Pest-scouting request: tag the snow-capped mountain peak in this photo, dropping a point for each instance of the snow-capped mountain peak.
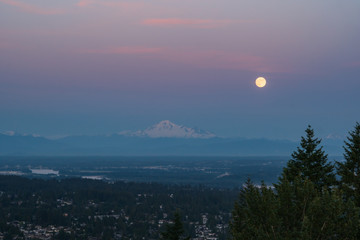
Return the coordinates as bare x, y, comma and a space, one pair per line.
167, 129
165, 124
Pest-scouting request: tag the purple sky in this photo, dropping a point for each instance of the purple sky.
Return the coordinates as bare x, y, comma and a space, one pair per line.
99, 66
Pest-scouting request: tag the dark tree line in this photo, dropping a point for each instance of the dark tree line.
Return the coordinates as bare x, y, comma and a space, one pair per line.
308, 202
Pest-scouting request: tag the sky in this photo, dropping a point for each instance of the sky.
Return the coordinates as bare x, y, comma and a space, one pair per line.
103, 66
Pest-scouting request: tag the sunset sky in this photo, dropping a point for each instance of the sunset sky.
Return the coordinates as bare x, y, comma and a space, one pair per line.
99, 66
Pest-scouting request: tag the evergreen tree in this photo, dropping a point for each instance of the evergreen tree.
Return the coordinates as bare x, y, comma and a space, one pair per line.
255, 214
310, 162
309, 213
298, 207
293, 210
330, 217
174, 231
349, 171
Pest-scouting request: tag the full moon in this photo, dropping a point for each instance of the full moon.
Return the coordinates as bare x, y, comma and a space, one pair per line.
260, 82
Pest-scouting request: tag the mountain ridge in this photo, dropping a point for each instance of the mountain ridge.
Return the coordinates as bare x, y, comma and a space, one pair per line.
163, 138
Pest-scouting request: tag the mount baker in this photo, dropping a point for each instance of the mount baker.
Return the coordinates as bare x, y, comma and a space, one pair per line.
167, 129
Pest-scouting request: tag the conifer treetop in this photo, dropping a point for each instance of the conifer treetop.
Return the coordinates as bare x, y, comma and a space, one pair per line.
310, 162
349, 171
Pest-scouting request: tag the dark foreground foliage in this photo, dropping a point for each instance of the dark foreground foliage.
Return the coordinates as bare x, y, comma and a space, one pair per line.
349, 170
175, 230
294, 211
307, 202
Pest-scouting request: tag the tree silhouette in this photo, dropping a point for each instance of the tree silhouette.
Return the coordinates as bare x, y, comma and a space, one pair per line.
174, 231
299, 206
310, 162
349, 171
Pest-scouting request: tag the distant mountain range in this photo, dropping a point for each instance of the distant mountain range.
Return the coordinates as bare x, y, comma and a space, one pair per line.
164, 138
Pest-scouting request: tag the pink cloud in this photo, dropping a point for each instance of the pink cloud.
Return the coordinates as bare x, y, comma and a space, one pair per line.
201, 59
32, 9
198, 23
84, 3
87, 3
222, 60
125, 50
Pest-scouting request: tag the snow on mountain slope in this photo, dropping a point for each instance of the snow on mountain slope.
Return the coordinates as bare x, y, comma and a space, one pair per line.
167, 129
